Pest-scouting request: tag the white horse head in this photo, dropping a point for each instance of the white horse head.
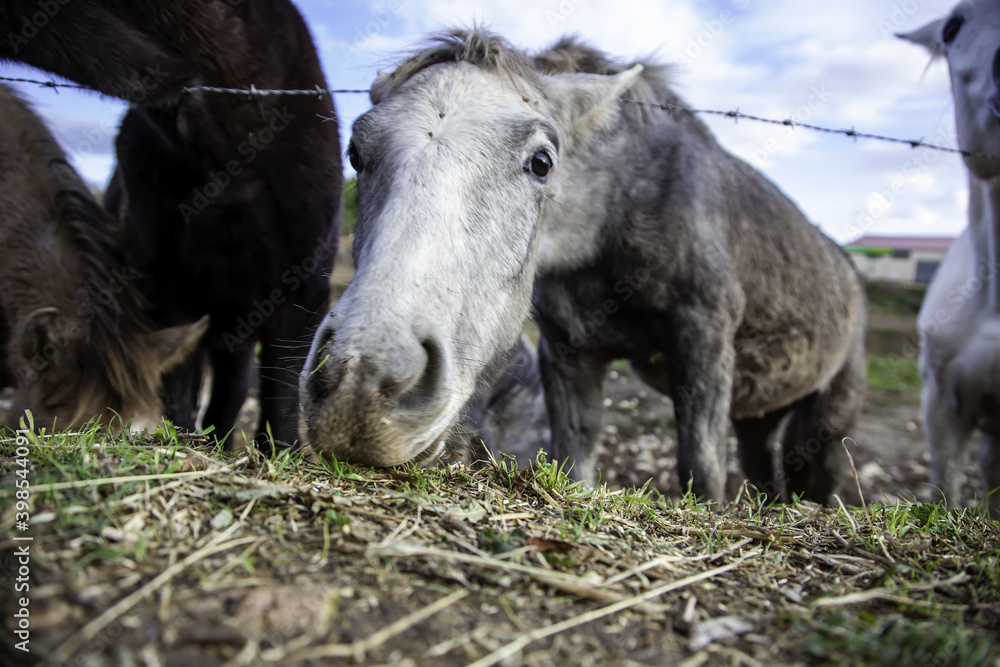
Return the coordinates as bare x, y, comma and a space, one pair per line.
969, 38
457, 161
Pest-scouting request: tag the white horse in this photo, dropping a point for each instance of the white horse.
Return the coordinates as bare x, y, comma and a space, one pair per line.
960, 320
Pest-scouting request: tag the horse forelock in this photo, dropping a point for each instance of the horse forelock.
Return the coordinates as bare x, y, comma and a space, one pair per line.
487, 50
476, 46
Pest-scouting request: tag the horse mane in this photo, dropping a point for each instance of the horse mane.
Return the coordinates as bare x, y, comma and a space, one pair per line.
571, 55
116, 357
492, 52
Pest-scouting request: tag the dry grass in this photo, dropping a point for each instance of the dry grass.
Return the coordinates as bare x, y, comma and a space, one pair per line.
159, 550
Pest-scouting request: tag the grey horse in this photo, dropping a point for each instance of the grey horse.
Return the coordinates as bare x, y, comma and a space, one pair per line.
491, 181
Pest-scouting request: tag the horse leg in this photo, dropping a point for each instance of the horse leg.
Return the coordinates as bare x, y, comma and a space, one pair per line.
812, 455
948, 438
181, 389
280, 364
700, 356
989, 463
230, 381
574, 397
755, 437
813, 458
753, 434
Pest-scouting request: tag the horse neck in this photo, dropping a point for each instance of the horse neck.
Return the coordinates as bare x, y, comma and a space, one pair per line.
984, 224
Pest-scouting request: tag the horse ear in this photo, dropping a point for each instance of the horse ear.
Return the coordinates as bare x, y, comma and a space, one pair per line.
37, 338
929, 37
378, 89
173, 345
584, 102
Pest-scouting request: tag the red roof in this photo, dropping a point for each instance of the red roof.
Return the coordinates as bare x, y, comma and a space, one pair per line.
905, 242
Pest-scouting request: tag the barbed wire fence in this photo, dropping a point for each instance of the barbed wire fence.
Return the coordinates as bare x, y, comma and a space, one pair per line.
736, 115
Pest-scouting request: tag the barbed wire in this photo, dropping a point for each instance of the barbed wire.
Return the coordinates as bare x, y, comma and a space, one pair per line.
738, 115
254, 93
46, 84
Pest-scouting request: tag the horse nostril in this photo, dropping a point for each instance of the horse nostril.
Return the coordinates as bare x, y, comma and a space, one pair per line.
424, 388
325, 336
317, 388
434, 366
996, 69
316, 385
993, 102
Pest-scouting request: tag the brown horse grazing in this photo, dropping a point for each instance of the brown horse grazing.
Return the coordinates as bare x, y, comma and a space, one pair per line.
231, 204
73, 342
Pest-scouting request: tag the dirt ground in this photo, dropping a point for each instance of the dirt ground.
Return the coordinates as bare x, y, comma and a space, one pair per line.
244, 564
230, 560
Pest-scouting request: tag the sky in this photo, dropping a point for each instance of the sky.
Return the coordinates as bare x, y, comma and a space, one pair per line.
830, 64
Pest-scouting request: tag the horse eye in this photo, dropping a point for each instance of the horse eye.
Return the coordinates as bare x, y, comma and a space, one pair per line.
352, 155
540, 165
951, 29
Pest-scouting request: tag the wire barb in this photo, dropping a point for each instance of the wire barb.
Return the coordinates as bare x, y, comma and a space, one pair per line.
256, 92
46, 84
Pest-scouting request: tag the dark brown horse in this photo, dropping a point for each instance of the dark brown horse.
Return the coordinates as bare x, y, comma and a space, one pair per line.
73, 341
231, 204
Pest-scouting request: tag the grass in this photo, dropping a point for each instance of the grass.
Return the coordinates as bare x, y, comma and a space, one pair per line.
867, 639
888, 298
164, 548
894, 375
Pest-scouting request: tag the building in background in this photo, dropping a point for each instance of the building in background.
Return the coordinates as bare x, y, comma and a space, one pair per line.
912, 259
